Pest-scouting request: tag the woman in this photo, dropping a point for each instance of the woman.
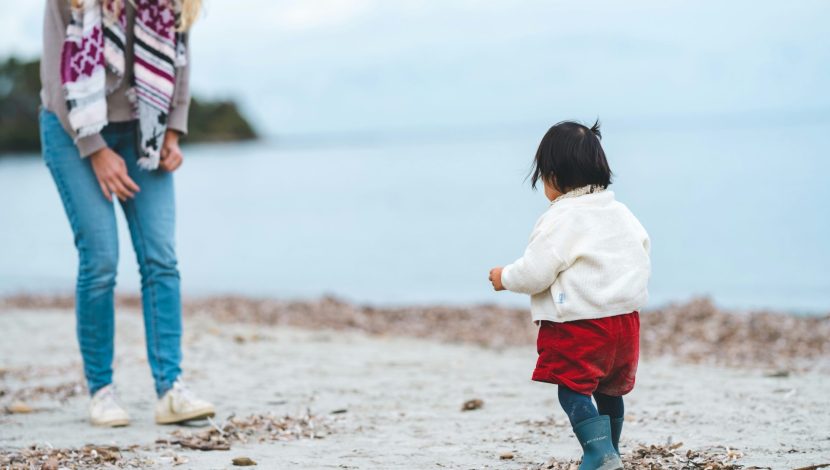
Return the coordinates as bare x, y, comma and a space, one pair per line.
115, 100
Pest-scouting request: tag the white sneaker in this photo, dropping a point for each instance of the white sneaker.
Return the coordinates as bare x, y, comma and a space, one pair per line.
105, 409
179, 404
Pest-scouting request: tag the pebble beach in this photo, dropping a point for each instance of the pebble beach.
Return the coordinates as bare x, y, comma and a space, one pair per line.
330, 384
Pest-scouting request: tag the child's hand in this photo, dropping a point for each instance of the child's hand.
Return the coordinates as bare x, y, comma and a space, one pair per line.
495, 278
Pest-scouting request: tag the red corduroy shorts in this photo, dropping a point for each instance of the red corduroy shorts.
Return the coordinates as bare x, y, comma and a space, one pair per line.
590, 356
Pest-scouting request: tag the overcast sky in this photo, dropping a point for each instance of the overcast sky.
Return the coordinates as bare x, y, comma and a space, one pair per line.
318, 66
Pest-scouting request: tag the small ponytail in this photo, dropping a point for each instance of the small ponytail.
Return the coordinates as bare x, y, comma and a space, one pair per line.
595, 129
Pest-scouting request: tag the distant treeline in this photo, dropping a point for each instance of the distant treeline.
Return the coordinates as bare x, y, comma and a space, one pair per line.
210, 121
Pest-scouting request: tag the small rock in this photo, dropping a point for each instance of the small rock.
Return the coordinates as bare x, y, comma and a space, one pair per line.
51, 464
243, 462
473, 404
506, 456
18, 407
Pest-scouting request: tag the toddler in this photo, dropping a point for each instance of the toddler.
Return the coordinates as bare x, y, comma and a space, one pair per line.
586, 269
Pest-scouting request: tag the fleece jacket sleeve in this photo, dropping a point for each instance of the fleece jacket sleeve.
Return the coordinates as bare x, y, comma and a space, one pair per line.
537, 269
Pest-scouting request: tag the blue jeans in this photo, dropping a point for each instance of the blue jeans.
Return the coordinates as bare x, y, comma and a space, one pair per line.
151, 217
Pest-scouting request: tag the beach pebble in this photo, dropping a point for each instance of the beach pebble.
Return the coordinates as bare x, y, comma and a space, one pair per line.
51, 464
506, 456
473, 404
18, 407
243, 462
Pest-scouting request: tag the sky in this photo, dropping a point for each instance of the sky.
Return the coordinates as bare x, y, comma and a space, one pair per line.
334, 67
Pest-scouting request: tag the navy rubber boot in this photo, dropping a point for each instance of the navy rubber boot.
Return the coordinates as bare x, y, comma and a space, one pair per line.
594, 436
616, 430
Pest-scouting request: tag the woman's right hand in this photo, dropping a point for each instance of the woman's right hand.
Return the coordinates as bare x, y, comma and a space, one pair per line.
111, 172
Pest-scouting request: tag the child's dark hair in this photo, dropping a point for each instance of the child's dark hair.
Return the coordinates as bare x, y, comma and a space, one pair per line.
570, 156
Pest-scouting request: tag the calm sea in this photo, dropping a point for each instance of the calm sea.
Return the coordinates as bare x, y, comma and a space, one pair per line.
741, 214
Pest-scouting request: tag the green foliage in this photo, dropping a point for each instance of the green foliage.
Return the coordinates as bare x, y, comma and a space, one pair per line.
209, 121
19, 101
213, 121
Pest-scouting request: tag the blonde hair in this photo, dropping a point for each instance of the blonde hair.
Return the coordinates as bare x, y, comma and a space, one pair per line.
190, 10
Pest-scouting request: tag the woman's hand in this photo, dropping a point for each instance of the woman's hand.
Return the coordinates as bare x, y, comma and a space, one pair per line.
171, 154
111, 172
495, 278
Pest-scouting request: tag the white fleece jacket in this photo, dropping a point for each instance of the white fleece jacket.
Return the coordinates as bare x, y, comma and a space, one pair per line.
588, 257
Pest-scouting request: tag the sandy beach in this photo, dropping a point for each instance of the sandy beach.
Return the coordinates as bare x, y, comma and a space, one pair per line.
326, 384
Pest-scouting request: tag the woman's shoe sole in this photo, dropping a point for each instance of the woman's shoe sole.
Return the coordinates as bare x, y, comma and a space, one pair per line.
118, 423
202, 414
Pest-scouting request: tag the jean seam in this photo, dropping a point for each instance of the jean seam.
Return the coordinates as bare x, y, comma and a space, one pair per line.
65, 195
153, 303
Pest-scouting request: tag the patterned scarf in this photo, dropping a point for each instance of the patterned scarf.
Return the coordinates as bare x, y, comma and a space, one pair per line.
95, 39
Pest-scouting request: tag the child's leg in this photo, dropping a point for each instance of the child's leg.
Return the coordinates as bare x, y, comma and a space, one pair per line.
592, 431
577, 406
614, 408
608, 405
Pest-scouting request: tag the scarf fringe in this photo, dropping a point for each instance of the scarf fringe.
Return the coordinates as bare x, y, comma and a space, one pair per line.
89, 130
146, 163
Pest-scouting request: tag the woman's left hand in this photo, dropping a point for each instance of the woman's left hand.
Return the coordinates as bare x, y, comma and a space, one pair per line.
171, 154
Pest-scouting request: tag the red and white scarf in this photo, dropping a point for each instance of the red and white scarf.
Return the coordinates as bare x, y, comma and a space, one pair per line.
95, 39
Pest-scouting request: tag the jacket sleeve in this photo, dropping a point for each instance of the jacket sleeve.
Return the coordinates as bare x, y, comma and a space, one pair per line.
541, 263
180, 105
54, 99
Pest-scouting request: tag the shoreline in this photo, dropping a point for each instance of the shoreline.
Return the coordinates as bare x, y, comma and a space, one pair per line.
695, 332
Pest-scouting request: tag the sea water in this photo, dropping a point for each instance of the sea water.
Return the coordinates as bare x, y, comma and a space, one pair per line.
738, 214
